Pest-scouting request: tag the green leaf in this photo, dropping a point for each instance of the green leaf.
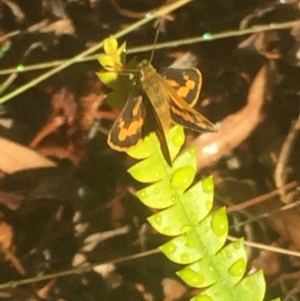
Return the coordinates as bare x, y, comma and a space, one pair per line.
232, 259
113, 58
248, 287
120, 83
115, 100
154, 167
110, 45
114, 61
150, 145
107, 62
189, 248
108, 78
163, 199
198, 234
251, 288
183, 177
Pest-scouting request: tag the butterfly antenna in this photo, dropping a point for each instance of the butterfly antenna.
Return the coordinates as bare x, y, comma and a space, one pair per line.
154, 44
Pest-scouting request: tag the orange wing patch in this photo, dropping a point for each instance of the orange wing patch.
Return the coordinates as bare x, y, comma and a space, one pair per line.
186, 82
127, 129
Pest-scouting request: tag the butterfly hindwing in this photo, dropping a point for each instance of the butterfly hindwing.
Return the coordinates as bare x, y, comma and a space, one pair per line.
186, 82
183, 114
127, 128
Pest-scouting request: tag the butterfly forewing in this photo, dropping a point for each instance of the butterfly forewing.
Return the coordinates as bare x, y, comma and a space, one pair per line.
153, 124
157, 106
186, 82
127, 129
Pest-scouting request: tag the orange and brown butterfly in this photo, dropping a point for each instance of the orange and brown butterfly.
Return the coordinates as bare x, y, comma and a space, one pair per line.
155, 103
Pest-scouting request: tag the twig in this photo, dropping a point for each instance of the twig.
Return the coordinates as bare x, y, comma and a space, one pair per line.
267, 214
235, 128
206, 37
280, 174
266, 247
261, 198
128, 258
14, 75
76, 270
33, 28
132, 14
14, 260
15, 9
149, 17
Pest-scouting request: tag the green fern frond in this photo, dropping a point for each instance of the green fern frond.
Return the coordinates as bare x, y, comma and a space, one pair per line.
199, 234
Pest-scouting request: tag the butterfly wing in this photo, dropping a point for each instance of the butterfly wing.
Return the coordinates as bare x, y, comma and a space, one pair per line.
154, 125
186, 82
127, 128
183, 114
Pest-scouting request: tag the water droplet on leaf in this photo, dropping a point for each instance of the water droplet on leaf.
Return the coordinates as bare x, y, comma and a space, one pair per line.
192, 151
207, 185
183, 177
193, 219
227, 253
166, 231
190, 242
238, 268
191, 277
169, 248
142, 194
178, 139
184, 258
185, 230
219, 222
157, 219
237, 244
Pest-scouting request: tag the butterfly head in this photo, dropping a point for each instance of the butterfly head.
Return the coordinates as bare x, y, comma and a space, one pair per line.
145, 68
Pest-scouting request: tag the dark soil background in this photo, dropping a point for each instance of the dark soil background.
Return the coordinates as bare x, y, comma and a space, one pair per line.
77, 209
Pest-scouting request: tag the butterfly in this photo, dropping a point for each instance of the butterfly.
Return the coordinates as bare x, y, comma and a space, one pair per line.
157, 101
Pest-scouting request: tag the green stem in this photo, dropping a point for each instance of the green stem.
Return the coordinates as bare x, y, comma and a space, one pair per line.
77, 270
174, 43
148, 17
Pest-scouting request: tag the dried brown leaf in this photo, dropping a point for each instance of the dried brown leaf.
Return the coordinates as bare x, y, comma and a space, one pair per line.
235, 128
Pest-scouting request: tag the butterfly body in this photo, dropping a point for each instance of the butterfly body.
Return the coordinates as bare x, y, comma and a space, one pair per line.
152, 86
157, 101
